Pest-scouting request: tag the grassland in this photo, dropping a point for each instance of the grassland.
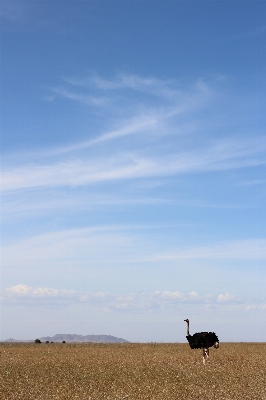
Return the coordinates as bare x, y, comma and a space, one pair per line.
132, 371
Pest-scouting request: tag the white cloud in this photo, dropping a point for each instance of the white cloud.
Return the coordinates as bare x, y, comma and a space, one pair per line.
227, 297
19, 289
130, 302
27, 291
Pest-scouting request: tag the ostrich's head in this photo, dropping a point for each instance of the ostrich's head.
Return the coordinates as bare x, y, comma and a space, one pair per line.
186, 320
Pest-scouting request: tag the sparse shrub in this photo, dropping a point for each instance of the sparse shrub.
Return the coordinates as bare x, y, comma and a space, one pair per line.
63, 341
47, 341
37, 341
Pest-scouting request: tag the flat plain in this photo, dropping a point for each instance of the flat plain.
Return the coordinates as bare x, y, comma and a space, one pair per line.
132, 371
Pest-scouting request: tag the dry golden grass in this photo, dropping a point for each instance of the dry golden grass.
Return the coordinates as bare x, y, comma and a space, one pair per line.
132, 371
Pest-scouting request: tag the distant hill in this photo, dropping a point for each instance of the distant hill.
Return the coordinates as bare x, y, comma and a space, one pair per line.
11, 340
75, 339
83, 339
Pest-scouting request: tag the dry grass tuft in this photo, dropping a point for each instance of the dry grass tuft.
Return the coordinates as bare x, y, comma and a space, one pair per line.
132, 371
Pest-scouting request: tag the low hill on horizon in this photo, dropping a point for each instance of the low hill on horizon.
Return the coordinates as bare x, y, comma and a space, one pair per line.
74, 338
12, 340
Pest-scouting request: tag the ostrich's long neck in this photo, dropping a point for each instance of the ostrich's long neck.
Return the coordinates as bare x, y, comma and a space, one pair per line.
187, 328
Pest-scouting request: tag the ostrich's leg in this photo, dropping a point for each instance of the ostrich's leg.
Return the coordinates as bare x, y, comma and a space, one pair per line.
205, 354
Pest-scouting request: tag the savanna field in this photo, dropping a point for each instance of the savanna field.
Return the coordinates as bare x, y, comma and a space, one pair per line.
132, 371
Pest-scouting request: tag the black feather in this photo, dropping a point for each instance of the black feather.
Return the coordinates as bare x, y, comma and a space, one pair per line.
202, 339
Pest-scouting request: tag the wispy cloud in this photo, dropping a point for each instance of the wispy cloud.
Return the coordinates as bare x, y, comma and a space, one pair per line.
223, 155
243, 249
85, 99
119, 245
166, 140
148, 110
128, 81
139, 138
253, 182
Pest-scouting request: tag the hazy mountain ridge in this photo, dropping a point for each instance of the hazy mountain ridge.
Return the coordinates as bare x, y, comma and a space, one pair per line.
12, 340
74, 338
83, 339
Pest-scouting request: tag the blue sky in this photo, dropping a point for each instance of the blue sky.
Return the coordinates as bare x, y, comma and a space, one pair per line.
133, 155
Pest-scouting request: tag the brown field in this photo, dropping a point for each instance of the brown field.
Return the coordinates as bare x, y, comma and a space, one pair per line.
132, 371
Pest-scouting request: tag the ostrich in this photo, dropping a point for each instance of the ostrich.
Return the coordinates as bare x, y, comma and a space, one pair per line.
202, 340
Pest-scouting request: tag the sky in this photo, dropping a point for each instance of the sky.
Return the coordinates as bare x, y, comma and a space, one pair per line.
133, 176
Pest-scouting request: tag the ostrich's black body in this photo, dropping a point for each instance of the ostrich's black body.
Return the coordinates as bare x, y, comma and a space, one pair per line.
202, 340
